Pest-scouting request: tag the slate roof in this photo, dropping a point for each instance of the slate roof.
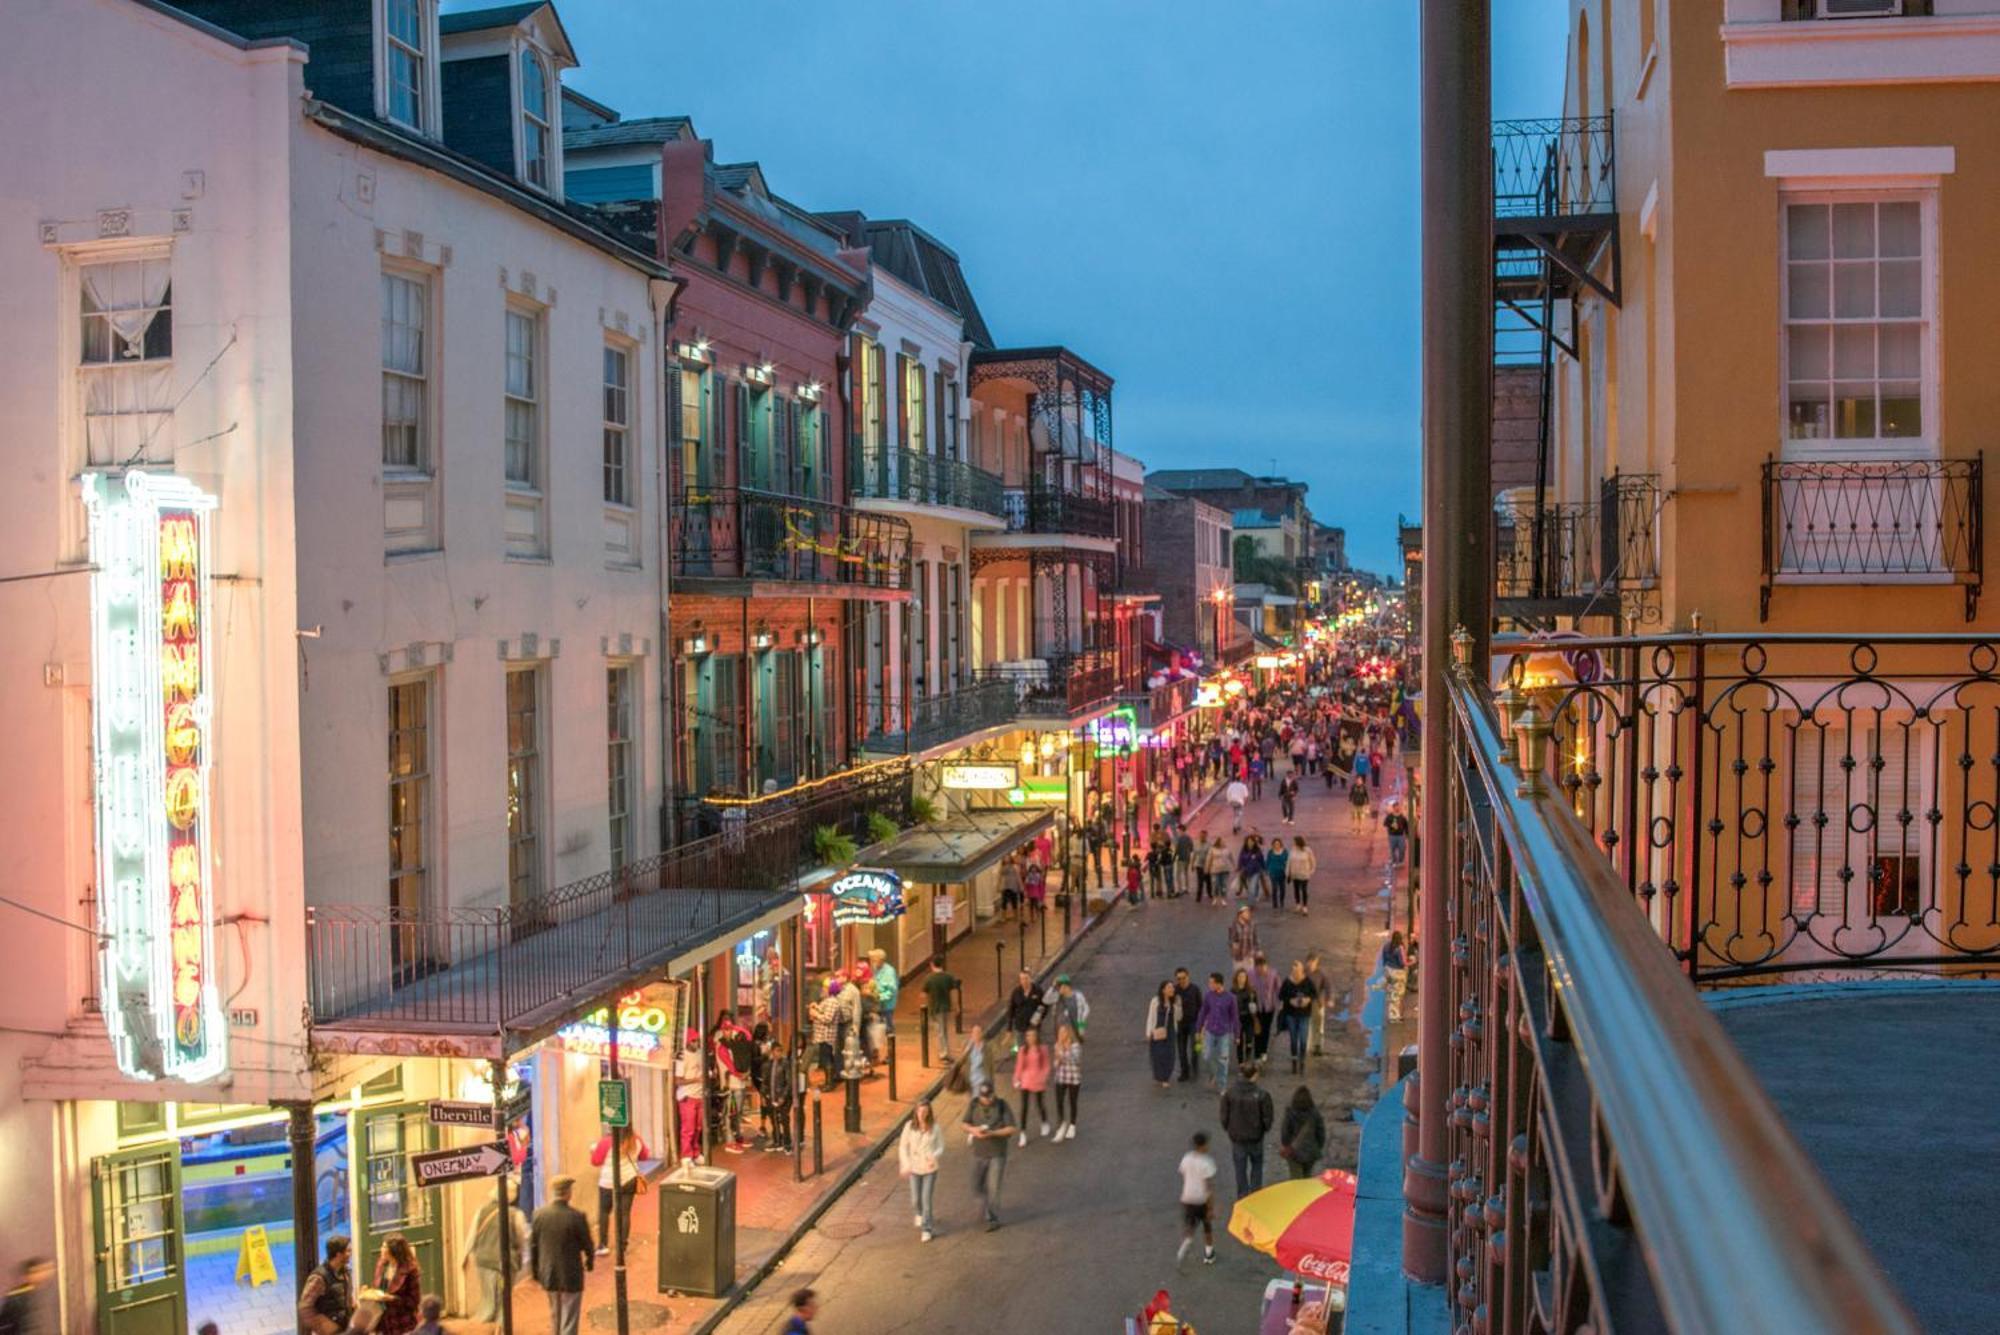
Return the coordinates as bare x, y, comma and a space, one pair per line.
478, 20
925, 263
1200, 479
643, 130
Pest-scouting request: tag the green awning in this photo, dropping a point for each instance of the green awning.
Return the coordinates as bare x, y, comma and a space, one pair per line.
960, 846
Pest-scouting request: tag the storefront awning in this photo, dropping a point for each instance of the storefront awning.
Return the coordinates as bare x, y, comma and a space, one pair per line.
1264, 641
960, 847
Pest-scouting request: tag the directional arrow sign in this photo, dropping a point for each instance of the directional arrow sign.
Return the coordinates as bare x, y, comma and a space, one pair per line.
442, 1166
445, 1113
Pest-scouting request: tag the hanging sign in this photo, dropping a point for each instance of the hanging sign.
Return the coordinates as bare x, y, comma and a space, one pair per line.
149, 596
614, 1102
866, 896
992, 777
445, 1112
646, 1022
1115, 732
439, 1167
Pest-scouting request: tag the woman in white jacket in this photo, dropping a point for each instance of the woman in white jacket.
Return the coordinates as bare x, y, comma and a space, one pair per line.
917, 1155
1298, 870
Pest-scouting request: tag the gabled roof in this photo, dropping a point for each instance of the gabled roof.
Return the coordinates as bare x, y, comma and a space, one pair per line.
644, 130
583, 112
508, 16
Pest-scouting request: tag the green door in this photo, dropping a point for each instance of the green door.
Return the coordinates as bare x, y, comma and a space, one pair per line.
141, 1287
390, 1199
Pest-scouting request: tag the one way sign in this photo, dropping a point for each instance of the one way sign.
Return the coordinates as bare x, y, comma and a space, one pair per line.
441, 1166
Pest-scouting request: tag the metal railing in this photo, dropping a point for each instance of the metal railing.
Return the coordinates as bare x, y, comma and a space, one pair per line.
1045, 510
1614, 1163
1059, 687
926, 479
916, 724
842, 800
1553, 168
1856, 521
1165, 702
740, 533
1787, 804
1549, 552
1630, 506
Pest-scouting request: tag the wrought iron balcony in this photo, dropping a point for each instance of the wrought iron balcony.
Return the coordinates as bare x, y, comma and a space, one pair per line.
1875, 521
925, 721
1547, 553
1553, 168
746, 537
842, 800
1614, 1160
1160, 705
1059, 687
1046, 510
926, 479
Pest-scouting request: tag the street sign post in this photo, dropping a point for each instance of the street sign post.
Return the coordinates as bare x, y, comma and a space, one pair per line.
439, 1167
447, 1113
614, 1102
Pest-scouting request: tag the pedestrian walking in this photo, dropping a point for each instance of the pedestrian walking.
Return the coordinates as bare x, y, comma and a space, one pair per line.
1296, 999
1247, 1117
989, 1126
1264, 981
1316, 975
1357, 807
1397, 826
1219, 864
1024, 1008
1183, 860
1197, 1171
1395, 974
939, 988
398, 1275
1031, 1078
1035, 886
1246, 1016
630, 1149
1010, 885
1236, 794
1299, 869
482, 1254
1275, 859
918, 1151
1243, 944
1067, 1061
1163, 1024
805, 1306
1220, 1024
1361, 763
559, 1252
1189, 998
1302, 1136
1068, 1006
975, 1058
1288, 798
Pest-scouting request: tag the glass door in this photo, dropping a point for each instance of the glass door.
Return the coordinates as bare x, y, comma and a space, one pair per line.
141, 1285
390, 1199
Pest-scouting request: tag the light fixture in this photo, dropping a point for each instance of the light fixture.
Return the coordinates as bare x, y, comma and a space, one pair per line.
697, 643
1048, 746
762, 638
1028, 751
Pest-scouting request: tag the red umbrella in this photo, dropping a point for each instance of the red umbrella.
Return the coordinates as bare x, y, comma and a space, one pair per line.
1307, 1225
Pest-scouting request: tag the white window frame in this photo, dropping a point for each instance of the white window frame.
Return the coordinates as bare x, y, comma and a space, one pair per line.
412, 517
552, 90
81, 372
537, 805
623, 544
526, 497
430, 111
427, 774
1925, 196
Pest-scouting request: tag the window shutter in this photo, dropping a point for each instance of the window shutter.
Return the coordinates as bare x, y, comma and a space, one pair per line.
804, 475
716, 386
902, 401
825, 447
744, 432
941, 447
674, 479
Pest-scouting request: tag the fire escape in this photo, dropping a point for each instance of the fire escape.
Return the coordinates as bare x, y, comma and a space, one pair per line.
1555, 239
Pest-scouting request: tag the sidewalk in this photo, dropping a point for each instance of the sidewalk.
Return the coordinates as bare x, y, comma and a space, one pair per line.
770, 1205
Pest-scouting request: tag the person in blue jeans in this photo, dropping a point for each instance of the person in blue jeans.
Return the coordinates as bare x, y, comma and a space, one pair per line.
1218, 1028
1247, 1117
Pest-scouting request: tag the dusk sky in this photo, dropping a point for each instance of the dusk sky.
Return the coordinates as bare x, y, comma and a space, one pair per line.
1215, 203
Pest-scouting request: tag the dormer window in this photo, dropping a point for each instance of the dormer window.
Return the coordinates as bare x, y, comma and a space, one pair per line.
537, 111
408, 94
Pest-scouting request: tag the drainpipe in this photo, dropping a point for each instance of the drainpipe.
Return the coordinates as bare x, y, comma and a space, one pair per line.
1457, 455
665, 295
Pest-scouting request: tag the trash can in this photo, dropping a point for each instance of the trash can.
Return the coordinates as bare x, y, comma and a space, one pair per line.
697, 1231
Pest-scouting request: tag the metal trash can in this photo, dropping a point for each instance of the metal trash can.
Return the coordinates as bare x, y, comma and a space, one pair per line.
697, 1230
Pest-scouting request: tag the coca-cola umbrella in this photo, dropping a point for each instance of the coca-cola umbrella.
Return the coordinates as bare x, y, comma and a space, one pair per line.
1307, 1225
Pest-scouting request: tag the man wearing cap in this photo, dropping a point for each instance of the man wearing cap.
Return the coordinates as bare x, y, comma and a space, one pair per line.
559, 1252
1067, 1005
989, 1126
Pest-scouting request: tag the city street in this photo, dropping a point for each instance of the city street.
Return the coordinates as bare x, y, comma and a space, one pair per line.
1091, 1224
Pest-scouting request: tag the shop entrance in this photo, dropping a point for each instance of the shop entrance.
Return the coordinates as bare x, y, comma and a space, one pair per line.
140, 1289
390, 1199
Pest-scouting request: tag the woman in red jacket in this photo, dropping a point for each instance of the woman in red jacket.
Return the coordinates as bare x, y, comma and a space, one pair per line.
400, 1280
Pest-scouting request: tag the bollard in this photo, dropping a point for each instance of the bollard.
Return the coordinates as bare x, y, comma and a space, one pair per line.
958, 1000
819, 1140
892, 1068
999, 970
1021, 932
1042, 931
924, 1043
851, 1112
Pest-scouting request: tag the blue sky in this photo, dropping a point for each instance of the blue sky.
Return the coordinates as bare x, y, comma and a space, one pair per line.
1215, 202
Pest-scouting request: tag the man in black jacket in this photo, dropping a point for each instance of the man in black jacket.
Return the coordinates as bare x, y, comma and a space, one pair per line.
559, 1251
1024, 1008
1190, 999
1247, 1116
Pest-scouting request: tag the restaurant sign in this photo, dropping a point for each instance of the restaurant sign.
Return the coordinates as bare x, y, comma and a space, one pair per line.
866, 896
151, 728
982, 777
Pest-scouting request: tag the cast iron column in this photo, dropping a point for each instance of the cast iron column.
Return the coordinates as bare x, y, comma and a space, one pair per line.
1458, 566
301, 1133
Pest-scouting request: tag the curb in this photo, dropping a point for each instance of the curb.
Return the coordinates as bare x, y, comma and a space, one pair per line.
740, 1292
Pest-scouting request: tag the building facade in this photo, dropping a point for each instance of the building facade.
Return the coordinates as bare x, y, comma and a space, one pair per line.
1189, 545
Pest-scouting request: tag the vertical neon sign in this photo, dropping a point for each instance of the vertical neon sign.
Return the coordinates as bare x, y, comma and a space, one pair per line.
149, 541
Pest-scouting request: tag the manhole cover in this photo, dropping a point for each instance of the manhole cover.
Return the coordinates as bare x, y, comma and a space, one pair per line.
844, 1230
644, 1316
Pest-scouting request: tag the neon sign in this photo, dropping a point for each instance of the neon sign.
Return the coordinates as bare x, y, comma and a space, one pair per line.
865, 897
1115, 732
149, 541
645, 1028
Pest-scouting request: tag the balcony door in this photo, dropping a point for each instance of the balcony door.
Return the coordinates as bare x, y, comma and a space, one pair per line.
141, 1283
1861, 859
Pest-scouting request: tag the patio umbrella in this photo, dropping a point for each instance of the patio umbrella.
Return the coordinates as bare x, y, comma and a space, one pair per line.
1307, 1225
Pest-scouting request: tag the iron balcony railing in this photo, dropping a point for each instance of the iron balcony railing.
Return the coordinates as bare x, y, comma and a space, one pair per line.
919, 723
843, 800
494, 969
926, 479
1059, 687
1546, 552
1875, 520
740, 533
1047, 510
1163, 703
1613, 1162
1553, 168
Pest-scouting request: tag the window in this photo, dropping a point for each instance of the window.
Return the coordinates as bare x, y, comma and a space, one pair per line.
523, 446
410, 901
621, 698
692, 411
958, 671
1857, 9
914, 433
617, 427
405, 373
405, 29
950, 445
718, 713
1857, 364
874, 429
1858, 796
778, 717
535, 138
920, 632
524, 785
125, 361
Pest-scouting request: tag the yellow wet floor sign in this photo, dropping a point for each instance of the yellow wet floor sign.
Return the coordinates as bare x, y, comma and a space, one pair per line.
253, 1258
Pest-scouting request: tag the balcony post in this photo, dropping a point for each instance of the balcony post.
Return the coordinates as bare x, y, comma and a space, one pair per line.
1458, 570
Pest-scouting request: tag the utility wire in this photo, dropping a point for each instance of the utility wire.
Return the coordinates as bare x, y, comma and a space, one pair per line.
58, 921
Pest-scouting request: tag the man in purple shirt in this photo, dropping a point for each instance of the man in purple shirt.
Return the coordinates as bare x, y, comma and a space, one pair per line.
1218, 1029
